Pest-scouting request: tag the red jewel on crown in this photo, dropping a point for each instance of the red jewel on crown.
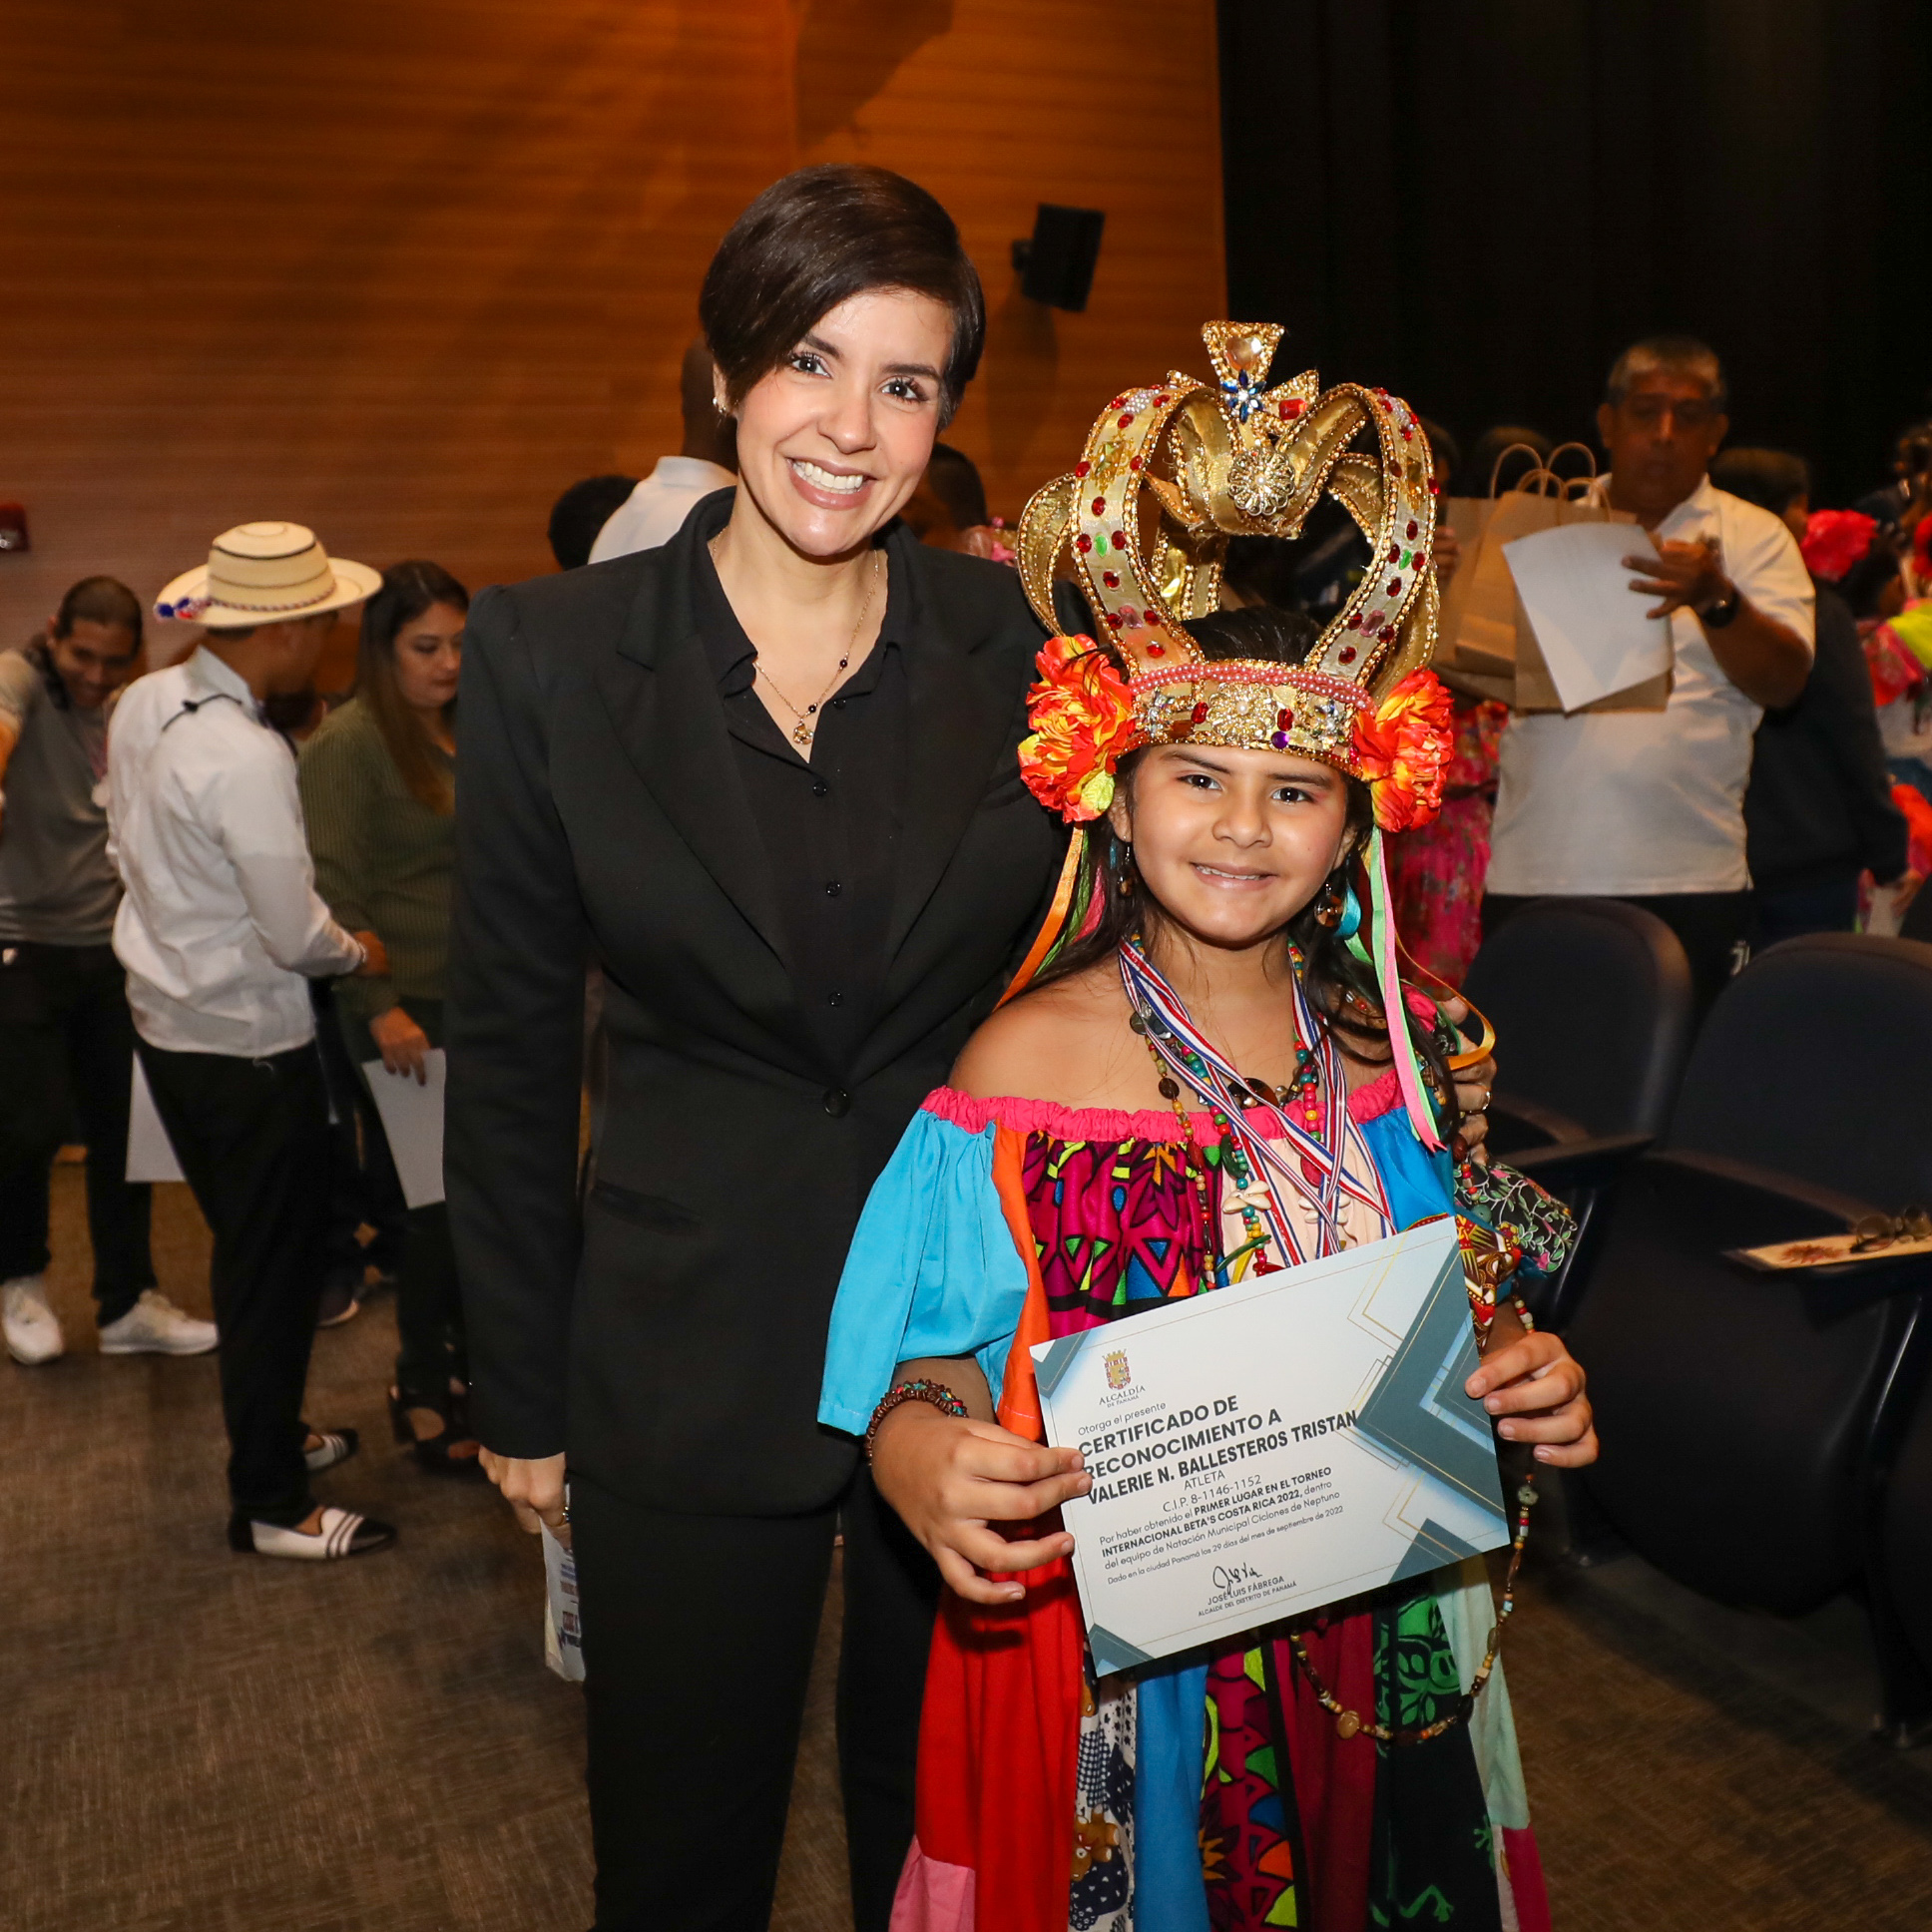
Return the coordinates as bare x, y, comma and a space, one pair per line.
1292, 408
1082, 542
1348, 653
1413, 528
1099, 506
1111, 578
1395, 587
1127, 419
1284, 721
1157, 649
1081, 467
1200, 715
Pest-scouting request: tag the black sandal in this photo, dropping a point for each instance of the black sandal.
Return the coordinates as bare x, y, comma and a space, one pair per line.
451, 1451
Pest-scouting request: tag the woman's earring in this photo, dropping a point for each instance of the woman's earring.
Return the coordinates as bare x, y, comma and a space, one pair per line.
1328, 909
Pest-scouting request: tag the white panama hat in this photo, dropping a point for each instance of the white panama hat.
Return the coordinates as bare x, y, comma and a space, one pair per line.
264, 573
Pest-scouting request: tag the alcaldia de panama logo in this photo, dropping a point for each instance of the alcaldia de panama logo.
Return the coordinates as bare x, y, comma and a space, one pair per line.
1118, 1372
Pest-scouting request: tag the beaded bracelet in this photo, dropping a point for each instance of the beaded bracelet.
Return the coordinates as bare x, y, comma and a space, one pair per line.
937, 1393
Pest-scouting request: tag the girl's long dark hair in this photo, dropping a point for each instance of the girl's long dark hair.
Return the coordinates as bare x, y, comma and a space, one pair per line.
408, 589
1338, 985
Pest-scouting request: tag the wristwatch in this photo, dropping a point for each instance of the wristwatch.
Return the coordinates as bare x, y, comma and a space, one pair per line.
1716, 615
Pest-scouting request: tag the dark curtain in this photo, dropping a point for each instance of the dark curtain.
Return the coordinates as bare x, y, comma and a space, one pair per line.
1478, 204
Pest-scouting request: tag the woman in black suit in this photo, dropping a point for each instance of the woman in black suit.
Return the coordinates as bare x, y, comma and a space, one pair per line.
768, 775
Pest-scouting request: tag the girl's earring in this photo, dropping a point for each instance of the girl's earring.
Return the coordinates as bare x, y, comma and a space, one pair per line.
1328, 909
1351, 914
1127, 871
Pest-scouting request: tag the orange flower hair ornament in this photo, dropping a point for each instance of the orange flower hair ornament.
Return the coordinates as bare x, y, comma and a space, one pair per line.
1082, 714
1086, 717
1402, 749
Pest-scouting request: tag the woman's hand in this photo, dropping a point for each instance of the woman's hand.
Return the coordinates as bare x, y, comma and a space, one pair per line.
375, 963
1473, 1085
533, 1487
951, 1480
1536, 1387
404, 1045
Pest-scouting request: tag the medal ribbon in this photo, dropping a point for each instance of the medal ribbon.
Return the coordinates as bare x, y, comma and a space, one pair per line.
1324, 1171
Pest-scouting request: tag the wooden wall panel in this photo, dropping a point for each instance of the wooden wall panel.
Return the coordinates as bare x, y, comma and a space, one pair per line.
403, 269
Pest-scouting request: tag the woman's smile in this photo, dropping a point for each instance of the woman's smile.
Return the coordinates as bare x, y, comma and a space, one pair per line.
826, 488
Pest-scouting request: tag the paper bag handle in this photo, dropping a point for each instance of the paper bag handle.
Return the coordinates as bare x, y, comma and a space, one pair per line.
1509, 450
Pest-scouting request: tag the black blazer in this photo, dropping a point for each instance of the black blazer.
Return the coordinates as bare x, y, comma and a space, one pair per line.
673, 1336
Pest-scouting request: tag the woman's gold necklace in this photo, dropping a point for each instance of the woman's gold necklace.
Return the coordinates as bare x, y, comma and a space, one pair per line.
804, 730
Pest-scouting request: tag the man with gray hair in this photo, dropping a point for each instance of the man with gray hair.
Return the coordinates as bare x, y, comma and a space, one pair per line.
1650, 805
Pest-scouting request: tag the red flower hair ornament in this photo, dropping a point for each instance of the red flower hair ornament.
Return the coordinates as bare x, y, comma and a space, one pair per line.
1835, 540
1082, 714
1401, 750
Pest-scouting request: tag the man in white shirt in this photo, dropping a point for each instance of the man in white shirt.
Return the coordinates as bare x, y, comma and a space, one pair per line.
220, 929
1648, 805
656, 510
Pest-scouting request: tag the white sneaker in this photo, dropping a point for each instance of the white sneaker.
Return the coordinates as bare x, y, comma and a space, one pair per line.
155, 1326
32, 1328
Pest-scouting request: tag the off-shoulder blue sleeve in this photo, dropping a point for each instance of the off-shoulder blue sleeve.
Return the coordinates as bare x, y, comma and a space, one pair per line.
1418, 1184
933, 1272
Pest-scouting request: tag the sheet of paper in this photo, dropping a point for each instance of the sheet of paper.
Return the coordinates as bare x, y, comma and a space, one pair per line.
1273, 1447
150, 1155
1589, 623
412, 1117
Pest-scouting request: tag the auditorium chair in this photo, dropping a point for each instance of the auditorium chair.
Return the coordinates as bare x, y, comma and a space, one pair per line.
1591, 1000
1750, 1420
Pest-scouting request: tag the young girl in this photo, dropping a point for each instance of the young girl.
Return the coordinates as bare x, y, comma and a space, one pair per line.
1201, 1085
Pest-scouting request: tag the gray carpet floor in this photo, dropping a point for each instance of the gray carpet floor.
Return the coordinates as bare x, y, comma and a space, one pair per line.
192, 1741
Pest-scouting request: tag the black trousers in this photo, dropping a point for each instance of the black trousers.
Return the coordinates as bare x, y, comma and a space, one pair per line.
1714, 929
364, 1186
698, 1643
251, 1136
66, 1060
429, 1300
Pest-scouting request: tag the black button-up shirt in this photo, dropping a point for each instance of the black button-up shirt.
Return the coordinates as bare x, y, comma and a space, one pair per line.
830, 814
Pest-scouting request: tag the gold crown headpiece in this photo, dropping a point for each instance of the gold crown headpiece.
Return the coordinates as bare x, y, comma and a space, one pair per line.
1170, 472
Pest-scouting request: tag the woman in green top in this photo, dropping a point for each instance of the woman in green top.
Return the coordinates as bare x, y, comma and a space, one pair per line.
378, 787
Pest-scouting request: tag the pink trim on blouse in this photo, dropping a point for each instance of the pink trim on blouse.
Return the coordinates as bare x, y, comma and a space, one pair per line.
1112, 1124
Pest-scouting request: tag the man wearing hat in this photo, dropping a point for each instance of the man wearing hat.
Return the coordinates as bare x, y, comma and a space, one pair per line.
219, 930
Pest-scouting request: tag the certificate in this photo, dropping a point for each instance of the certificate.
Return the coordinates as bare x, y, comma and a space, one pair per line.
1275, 1446
412, 1123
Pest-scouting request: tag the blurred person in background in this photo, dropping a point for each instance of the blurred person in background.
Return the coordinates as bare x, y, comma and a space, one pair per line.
66, 1041
1648, 805
580, 513
1436, 873
378, 791
1901, 505
1897, 630
1819, 811
220, 929
655, 510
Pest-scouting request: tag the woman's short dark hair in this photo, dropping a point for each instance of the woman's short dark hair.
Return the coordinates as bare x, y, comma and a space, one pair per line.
818, 238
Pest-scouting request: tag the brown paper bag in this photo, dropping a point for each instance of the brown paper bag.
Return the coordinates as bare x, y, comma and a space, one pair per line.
1487, 648
1477, 626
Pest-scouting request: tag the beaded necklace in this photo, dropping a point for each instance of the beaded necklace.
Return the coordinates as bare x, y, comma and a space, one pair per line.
1178, 1048
1299, 1140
